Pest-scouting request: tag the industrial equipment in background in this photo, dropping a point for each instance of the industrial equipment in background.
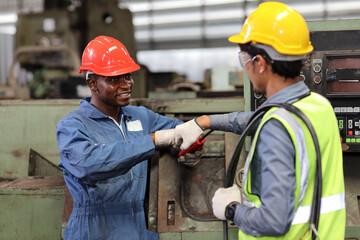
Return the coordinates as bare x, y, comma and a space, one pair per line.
218, 82
48, 47
178, 203
333, 70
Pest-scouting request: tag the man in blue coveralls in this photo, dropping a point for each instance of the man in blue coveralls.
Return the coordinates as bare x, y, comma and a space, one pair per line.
104, 146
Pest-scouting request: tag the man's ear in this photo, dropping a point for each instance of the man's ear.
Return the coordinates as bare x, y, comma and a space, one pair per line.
262, 63
92, 83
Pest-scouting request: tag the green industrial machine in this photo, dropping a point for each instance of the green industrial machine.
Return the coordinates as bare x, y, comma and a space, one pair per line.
29, 154
49, 45
33, 199
31, 208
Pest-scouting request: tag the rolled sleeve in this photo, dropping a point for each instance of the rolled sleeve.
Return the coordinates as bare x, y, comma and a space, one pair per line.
232, 122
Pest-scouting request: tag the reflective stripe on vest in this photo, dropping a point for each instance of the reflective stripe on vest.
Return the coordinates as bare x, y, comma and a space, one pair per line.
301, 151
328, 204
301, 148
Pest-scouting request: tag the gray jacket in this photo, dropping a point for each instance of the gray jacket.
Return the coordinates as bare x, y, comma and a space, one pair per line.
273, 169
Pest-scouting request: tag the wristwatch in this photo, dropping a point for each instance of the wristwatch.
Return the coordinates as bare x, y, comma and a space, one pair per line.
230, 211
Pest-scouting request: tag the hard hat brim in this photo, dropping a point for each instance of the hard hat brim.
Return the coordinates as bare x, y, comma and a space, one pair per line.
235, 39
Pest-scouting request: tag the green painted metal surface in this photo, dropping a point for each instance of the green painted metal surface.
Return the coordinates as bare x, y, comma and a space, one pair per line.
32, 124
334, 25
31, 215
352, 232
172, 95
31, 209
29, 126
210, 235
170, 236
198, 105
25, 125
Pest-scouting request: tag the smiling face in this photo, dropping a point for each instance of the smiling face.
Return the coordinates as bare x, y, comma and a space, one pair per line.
111, 91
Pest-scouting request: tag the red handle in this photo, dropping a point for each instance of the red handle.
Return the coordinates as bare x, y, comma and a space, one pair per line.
195, 147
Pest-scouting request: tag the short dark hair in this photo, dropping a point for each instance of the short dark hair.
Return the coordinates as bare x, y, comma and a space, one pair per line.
287, 69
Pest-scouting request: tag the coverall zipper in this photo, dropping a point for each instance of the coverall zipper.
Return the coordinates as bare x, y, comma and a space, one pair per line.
131, 171
122, 132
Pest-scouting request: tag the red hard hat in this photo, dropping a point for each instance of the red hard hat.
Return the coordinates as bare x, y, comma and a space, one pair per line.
106, 56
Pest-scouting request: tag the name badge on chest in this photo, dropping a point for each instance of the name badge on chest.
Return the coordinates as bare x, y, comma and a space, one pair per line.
134, 126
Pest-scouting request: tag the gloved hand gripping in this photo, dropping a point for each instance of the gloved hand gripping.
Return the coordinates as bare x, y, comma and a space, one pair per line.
165, 138
187, 133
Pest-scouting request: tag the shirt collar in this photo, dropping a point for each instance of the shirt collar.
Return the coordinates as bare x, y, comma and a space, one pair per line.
289, 94
92, 112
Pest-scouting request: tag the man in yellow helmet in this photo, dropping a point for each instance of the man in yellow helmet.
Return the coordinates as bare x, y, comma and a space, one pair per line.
279, 176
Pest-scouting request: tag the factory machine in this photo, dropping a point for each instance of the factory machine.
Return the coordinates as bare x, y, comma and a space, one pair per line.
49, 44
34, 203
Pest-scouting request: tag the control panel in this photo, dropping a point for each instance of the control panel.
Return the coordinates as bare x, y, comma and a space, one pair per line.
333, 70
349, 124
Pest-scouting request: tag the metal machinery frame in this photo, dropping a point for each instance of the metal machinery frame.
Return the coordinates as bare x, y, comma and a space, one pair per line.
178, 203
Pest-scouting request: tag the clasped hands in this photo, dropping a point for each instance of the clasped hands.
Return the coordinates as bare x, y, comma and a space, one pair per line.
180, 137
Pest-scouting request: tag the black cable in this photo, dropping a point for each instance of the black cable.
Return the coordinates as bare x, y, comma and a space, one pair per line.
231, 170
230, 173
225, 230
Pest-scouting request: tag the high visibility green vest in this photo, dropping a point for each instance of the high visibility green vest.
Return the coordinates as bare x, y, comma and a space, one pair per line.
332, 213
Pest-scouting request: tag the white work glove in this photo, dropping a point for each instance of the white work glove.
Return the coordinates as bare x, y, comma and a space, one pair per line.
165, 138
222, 198
187, 133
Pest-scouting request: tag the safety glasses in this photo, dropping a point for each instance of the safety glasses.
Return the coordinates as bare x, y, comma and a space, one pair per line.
244, 58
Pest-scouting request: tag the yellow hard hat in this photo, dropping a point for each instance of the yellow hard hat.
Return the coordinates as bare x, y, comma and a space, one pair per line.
277, 25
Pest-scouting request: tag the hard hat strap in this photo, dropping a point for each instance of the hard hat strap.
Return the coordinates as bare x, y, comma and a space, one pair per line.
89, 73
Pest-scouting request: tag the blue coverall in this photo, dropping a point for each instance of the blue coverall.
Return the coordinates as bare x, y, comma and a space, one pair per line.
105, 168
